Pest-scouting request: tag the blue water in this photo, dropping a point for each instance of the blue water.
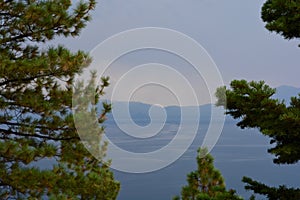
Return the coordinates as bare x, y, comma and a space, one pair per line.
238, 153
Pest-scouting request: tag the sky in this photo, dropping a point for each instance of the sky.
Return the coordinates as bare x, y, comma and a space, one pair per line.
231, 32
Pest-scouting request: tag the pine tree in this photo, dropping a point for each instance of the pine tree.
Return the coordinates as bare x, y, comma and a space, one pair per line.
36, 120
206, 183
252, 103
272, 193
282, 17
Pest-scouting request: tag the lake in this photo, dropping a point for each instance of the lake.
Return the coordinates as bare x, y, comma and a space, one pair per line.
237, 153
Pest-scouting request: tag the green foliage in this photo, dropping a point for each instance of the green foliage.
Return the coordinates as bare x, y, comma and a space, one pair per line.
282, 17
280, 193
251, 102
206, 183
36, 122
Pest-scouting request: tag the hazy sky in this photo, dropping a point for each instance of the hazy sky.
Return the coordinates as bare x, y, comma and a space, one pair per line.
231, 31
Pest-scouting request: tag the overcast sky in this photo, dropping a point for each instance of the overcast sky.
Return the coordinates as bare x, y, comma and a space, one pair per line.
231, 31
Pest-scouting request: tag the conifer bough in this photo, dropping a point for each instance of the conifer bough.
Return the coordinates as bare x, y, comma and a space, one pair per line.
36, 122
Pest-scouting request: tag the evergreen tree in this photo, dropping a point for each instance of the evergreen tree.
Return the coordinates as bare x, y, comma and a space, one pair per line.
206, 183
282, 17
252, 103
36, 120
272, 193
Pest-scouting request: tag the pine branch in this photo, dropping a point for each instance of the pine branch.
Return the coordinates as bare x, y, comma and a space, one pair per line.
39, 136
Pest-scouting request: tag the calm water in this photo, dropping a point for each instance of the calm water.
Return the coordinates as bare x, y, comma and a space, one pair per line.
238, 153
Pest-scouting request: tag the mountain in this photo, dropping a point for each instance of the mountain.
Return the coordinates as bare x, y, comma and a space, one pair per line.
141, 112
285, 93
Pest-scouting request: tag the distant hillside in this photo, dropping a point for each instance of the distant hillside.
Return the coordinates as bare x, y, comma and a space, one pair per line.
286, 92
140, 111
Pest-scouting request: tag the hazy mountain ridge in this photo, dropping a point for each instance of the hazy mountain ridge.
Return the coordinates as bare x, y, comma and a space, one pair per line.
140, 111
285, 93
